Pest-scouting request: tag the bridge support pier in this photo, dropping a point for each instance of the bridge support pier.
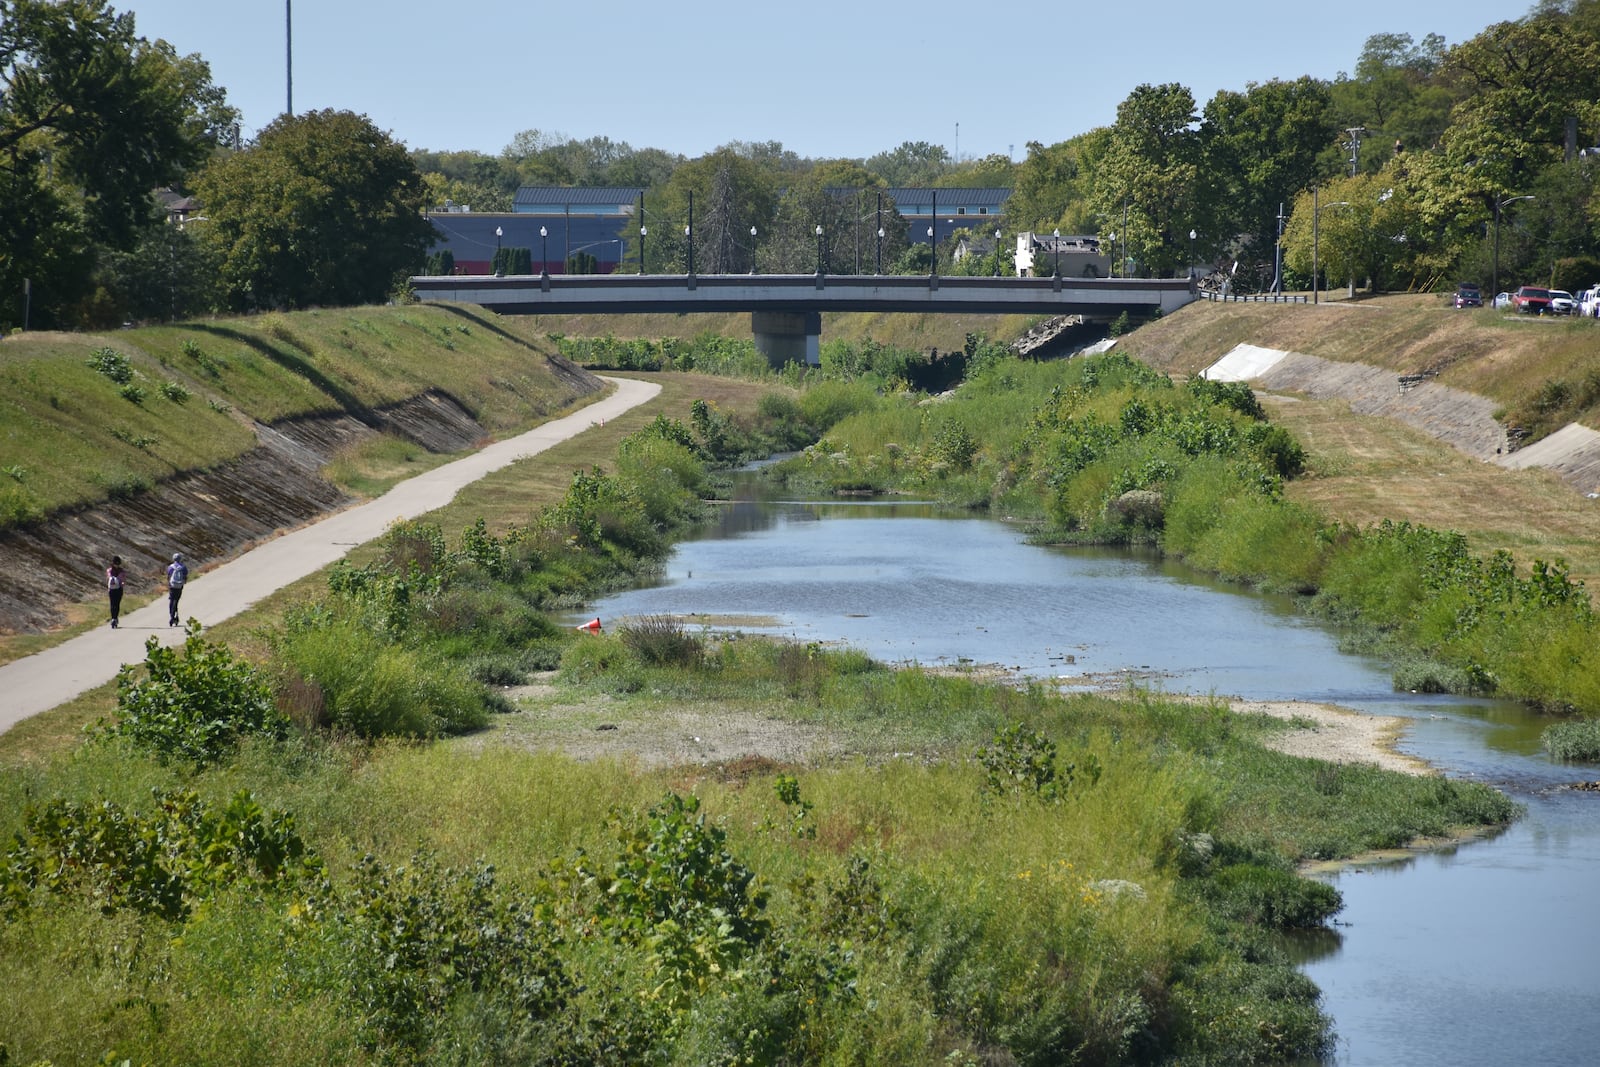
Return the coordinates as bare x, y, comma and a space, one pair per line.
788, 336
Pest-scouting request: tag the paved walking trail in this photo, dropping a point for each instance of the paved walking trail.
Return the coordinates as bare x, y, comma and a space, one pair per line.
46, 679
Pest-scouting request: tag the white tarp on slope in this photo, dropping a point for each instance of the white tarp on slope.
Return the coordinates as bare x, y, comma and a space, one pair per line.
1243, 363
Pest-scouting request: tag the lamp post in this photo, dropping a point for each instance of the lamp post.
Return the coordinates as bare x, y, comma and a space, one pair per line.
644, 231
997, 251
544, 252
933, 255
1494, 282
1192, 236
498, 233
819, 249
880, 234
1316, 218
688, 234
752, 250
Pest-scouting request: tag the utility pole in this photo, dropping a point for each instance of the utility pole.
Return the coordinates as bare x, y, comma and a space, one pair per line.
288, 59
1356, 133
1277, 283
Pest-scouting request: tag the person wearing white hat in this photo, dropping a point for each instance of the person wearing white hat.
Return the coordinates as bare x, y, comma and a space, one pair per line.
177, 575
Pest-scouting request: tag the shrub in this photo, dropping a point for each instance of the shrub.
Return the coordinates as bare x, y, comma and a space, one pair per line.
420, 945
175, 392
1267, 896
112, 364
1578, 740
660, 640
193, 706
371, 687
159, 864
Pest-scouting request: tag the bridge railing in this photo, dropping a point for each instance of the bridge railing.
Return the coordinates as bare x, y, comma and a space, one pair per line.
1253, 298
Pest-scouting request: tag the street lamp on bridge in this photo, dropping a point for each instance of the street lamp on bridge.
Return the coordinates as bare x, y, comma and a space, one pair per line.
644, 231
544, 252
819, 249
997, 251
933, 254
752, 250
1055, 250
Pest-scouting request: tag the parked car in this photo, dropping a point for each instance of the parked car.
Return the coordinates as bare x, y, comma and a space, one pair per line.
1589, 302
1531, 300
1468, 295
1562, 302
1502, 300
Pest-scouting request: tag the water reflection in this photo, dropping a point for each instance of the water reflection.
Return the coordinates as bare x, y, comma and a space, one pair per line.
1488, 953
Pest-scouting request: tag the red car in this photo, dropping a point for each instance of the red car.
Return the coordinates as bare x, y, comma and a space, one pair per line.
1531, 300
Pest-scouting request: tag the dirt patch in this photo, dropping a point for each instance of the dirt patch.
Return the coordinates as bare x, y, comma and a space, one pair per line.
602, 727
1336, 735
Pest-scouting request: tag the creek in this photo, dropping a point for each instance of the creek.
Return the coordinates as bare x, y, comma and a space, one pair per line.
1483, 953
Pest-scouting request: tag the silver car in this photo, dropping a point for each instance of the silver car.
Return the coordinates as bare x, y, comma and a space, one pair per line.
1562, 302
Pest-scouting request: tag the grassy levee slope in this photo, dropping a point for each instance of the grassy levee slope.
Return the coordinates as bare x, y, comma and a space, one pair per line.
73, 434
96, 421
1541, 373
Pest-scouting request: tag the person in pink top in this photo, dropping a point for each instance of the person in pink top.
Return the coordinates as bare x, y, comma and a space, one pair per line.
114, 588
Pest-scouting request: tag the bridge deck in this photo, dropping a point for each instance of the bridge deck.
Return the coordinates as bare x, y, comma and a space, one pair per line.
621, 294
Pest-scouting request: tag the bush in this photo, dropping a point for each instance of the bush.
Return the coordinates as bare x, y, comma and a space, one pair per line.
193, 706
1267, 896
1578, 740
364, 684
660, 640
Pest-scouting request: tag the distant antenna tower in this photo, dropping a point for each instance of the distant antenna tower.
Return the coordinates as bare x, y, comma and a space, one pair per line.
958, 142
288, 58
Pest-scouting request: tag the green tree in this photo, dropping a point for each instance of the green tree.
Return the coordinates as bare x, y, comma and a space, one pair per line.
731, 194
1149, 175
1260, 148
1521, 81
911, 165
170, 273
1054, 183
92, 118
323, 209
1396, 94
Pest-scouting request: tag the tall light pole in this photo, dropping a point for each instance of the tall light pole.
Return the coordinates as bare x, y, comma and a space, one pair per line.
819, 249
1192, 236
1316, 218
880, 234
997, 251
644, 231
688, 234
933, 255
1277, 253
497, 266
1494, 281
752, 250
1055, 250
544, 252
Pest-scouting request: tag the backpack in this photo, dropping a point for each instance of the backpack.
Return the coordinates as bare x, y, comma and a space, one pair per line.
177, 574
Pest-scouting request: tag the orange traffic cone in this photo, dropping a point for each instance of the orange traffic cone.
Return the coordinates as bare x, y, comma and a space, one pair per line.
592, 626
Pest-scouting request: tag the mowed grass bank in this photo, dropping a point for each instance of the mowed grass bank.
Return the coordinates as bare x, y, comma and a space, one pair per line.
86, 417
1363, 469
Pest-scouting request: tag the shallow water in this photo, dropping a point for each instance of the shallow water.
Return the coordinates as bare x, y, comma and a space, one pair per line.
1488, 953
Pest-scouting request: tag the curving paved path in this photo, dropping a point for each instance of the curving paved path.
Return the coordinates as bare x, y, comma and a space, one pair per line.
46, 679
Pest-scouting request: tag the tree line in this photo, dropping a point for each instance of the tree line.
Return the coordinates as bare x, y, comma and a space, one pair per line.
1427, 164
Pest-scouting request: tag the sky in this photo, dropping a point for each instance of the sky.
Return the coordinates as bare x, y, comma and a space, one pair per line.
827, 78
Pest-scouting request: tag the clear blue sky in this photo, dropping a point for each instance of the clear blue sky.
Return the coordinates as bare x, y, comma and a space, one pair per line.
826, 78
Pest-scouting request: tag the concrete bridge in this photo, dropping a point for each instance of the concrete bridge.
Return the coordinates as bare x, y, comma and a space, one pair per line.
786, 309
